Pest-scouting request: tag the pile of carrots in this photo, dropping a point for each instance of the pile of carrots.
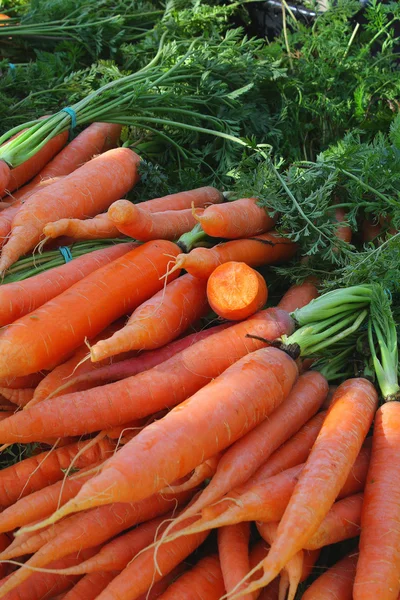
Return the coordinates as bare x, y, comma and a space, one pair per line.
178, 453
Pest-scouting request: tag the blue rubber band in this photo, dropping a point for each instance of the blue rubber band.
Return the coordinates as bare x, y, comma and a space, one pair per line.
70, 111
66, 253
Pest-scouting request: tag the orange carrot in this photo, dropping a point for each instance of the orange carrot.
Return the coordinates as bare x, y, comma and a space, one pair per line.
371, 230
199, 198
18, 397
343, 232
265, 249
244, 457
5, 174
61, 325
233, 550
336, 583
298, 296
212, 419
161, 586
85, 192
5, 414
46, 468
22, 297
159, 320
378, 568
142, 225
18, 383
163, 386
341, 523
330, 396
238, 219
6, 218
235, 291
125, 368
338, 444
90, 586
203, 581
204, 471
4, 543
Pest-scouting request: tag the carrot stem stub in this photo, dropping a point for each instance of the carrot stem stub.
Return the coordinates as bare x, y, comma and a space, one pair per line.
235, 291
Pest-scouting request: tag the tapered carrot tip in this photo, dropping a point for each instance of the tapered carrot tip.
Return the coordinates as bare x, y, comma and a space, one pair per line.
235, 291
5, 175
122, 211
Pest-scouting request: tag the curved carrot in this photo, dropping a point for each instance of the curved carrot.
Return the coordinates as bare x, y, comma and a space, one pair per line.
338, 444
163, 386
235, 291
341, 523
204, 471
244, 457
61, 325
298, 296
212, 419
22, 297
378, 568
203, 581
233, 551
85, 192
238, 219
159, 320
46, 468
265, 249
19, 397
90, 586
142, 225
336, 583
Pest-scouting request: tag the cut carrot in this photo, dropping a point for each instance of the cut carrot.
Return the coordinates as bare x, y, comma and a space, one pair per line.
336, 583
235, 291
159, 320
203, 581
61, 325
238, 219
233, 550
140, 224
22, 297
298, 296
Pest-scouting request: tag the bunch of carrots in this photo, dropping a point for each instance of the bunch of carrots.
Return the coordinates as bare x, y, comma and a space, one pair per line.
183, 448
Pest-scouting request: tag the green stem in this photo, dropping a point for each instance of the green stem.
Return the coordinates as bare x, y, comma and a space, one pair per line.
331, 303
187, 241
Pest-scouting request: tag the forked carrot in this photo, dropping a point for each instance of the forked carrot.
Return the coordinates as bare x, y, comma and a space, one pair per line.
203, 581
61, 325
265, 249
378, 568
235, 291
298, 296
159, 320
338, 443
140, 224
233, 551
85, 192
90, 586
22, 297
161, 387
341, 523
336, 583
99, 227
237, 219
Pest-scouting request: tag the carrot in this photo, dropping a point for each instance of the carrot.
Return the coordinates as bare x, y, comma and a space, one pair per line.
139, 575
203, 581
157, 589
370, 230
341, 523
99, 227
22, 297
18, 397
137, 364
343, 230
61, 325
235, 291
18, 383
378, 568
238, 219
298, 296
90, 586
4, 543
5, 174
161, 387
6, 218
212, 419
233, 550
338, 444
159, 320
5, 415
142, 225
265, 249
204, 471
85, 192
330, 396
41, 470
336, 583
41, 503
244, 457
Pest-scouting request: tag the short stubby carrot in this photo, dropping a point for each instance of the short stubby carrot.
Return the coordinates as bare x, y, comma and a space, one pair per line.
159, 320
378, 568
140, 224
202, 581
298, 296
237, 219
45, 337
336, 583
163, 386
22, 297
85, 192
235, 291
209, 421
325, 472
